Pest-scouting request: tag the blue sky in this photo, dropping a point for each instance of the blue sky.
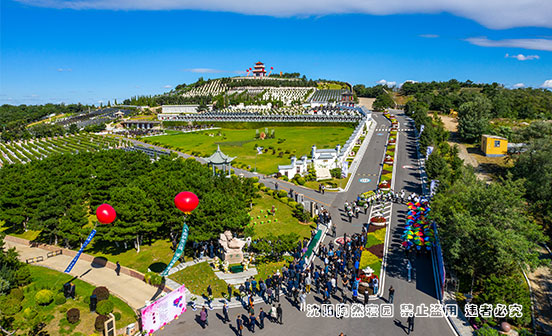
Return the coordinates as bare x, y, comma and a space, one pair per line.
98, 50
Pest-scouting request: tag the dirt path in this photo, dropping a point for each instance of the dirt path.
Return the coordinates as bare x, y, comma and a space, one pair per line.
367, 102
541, 284
451, 125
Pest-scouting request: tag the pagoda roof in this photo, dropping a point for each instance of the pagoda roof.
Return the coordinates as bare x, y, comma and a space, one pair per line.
261, 63
218, 157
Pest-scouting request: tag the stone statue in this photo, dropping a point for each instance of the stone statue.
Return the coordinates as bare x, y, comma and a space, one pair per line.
232, 247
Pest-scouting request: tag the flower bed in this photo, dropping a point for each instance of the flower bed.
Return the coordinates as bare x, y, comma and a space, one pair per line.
378, 220
385, 185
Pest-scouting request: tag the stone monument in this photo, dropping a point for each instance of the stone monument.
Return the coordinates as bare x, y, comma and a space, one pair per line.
232, 248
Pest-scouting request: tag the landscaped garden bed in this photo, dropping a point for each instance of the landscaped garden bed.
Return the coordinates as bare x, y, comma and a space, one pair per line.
42, 301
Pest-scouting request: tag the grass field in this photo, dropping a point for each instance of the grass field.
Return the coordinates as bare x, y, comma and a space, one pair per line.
155, 256
241, 143
198, 277
29, 234
54, 315
285, 222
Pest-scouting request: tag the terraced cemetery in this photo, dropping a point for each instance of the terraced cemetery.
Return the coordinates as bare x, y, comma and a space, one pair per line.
24, 151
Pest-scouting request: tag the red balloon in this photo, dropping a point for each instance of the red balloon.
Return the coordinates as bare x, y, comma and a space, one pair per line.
271, 68
106, 214
186, 201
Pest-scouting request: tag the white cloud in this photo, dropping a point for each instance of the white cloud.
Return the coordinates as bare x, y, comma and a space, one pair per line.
534, 44
167, 86
64, 70
496, 14
518, 85
429, 35
547, 84
384, 82
408, 81
204, 70
522, 57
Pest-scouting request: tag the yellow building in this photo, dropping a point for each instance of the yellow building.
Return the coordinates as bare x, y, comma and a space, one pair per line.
493, 145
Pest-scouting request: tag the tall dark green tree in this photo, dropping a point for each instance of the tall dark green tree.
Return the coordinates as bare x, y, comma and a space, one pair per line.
473, 118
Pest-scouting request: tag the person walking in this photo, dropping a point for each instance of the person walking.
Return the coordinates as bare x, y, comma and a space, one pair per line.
262, 316
410, 321
409, 270
225, 313
209, 296
252, 322
276, 186
118, 268
279, 313
229, 289
273, 314
391, 294
203, 317
239, 325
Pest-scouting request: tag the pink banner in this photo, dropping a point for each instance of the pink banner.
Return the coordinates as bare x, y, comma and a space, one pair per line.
164, 310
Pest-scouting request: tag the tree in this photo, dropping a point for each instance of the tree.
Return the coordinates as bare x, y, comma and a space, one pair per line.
383, 101
534, 167
485, 229
473, 118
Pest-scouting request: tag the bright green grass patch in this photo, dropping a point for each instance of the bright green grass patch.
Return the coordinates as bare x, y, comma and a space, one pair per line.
371, 240
155, 256
29, 234
54, 315
341, 183
281, 223
266, 269
386, 177
241, 143
380, 234
197, 277
367, 258
376, 266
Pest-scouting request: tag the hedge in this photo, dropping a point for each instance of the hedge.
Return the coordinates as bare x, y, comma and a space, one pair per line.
73, 315
102, 293
44, 297
105, 307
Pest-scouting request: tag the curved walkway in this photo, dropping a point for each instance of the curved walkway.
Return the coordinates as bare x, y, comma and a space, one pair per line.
132, 290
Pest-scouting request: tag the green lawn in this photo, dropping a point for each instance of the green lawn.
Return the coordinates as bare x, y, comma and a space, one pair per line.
54, 315
285, 222
155, 256
266, 269
341, 183
198, 277
241, 143
29, 234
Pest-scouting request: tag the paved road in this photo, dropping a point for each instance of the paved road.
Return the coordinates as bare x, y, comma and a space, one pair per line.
420, 290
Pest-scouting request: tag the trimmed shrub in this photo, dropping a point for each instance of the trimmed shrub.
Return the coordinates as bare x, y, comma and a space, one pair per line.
102, 293
23, 276
292, 204
99, 323
117, 316
73, 315
60, 299
300, 180
29, 313
17, 293
10, 306
44, 297
104, 307
282, 193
